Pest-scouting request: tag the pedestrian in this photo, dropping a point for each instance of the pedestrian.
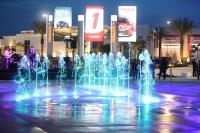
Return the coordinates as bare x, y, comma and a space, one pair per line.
1, 59
152, 67
7, 57
197, 57
194, 67
163, 67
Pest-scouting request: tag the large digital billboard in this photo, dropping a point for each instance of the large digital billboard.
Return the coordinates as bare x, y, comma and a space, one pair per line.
127, 23
94, 24
62, 22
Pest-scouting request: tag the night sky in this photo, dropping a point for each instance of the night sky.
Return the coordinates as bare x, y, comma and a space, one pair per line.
17, 15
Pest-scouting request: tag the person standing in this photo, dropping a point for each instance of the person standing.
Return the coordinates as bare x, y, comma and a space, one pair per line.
194, 68
7, 56
1, 59
163, 67
31, 55
197, 57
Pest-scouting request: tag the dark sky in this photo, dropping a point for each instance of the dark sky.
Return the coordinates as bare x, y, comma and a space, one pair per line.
17, 15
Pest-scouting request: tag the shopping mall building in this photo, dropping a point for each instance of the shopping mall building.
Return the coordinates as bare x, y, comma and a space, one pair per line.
170, 46
22, 42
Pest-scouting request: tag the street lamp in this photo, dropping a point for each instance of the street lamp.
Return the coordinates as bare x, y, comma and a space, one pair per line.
168, 22
154, 38
44, 15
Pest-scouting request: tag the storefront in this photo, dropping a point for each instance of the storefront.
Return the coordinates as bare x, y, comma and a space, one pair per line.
195, 40
170, 46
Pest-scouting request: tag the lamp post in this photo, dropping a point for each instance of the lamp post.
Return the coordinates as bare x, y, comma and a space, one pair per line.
49, 32
168, 22
153, 38
46, 20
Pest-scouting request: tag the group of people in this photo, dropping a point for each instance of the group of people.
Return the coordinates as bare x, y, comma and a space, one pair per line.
196, 63
163, 66
9, 57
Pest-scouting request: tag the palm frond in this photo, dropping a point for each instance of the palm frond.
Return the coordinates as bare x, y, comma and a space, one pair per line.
39, 27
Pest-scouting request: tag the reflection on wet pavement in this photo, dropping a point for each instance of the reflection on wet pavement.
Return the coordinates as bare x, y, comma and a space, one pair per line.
174, 113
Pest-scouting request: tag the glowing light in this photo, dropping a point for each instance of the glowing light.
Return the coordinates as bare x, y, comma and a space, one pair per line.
36, 94
75, 94
61, 75
44, 15
108, 74
61, 92
145, 80
168, 22
47, 93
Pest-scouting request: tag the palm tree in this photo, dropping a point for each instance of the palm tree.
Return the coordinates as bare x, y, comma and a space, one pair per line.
40, 27
159, 33
182, 26
138, 46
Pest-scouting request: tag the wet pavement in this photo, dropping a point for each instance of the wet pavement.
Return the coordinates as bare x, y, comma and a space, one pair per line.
178, 110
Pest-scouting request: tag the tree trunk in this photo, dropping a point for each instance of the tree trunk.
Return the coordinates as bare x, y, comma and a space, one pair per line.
181, 46
160, 49
42, 44
136, 54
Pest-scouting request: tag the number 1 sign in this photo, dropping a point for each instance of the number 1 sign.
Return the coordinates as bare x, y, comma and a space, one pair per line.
94, 23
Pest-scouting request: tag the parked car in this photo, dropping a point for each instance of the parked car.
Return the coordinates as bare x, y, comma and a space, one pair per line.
62, 24
125, 28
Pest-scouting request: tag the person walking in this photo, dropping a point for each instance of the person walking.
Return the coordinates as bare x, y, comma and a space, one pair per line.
197, 57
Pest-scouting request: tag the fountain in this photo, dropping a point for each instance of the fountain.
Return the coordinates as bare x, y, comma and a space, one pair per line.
103, 74
145, 80
45, 67
77, 67
23, 79
41, 70
32, 81
61, 75
94, 75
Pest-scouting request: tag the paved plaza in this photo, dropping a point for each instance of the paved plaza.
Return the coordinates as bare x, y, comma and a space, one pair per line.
178, 110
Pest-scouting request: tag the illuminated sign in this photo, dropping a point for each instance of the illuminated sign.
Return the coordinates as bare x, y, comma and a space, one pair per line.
81, 35
113, 35
63, 17
113, 29
196, 41
127, 23
62, 22
50, 32
49, 26
170, 45
94, 23
170, 41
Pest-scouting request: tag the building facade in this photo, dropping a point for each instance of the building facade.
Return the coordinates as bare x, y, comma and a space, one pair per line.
22, 42
170, 46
